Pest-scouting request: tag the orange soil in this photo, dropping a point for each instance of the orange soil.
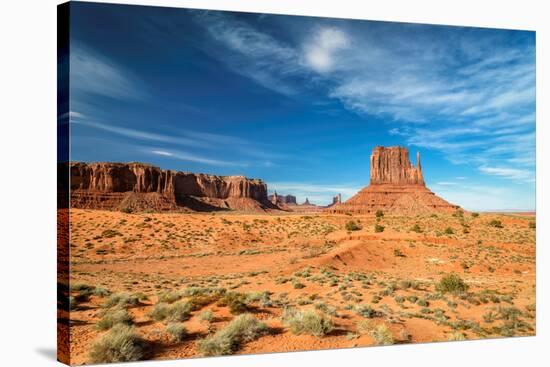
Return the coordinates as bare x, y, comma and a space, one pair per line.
269, 252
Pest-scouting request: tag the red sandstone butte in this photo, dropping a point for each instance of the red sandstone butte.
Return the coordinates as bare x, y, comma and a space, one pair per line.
140, 186
396, 186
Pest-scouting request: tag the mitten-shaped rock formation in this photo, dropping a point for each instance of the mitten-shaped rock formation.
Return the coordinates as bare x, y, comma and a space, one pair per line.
396, 186
391, 166
139, 186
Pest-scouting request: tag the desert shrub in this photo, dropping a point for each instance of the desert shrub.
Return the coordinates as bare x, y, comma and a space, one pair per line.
532, 224
126, 210
307, 322
364, 326
379, 213
449, 230
328, 309
423, 302
235, 301
73, 305
263, 298
297, 285
120, 344
121, 300
111, 318
110, 233
475, 215
365, 311
199, 301
416, 228
451, 283
378, 228
206, 315
459, 213
178, 311
398, 253
456, 336
227, 341
169, 297
382, 335
495, 223
352, 226
177, 331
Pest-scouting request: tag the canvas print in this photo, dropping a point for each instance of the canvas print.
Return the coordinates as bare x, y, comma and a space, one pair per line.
241, 183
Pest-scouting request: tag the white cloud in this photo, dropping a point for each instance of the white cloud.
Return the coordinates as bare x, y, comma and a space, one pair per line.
191, 157
319, 51
138, 134
91, 72
506, 172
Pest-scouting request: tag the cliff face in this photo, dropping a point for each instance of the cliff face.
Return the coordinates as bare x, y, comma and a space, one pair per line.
396, 186
104, 184
392, 166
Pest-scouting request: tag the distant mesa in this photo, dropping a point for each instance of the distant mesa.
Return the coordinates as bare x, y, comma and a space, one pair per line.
140, 186
396, 186
282, 200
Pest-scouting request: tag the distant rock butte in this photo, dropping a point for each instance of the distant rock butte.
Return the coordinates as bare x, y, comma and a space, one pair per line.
282, 199
139, 186
396, 186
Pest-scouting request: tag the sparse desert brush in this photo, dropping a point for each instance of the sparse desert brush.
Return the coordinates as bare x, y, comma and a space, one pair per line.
235, 301
416, 228
120, 344
459, 213
365, 311
169, 297
382, 335
242, 329
328, 309
398, 253
449, 230
262, 298
352, 226
379, 213
451, 283
532, 224
126, 210
364, 326
378, 228
206, 315
177, 331
496, 223
113, 317
475, 215
73, 305
178, 311
121, 300
297, 285
307, 322
456, 336
110, 233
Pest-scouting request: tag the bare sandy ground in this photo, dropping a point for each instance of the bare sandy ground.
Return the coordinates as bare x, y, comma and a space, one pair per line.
308, 262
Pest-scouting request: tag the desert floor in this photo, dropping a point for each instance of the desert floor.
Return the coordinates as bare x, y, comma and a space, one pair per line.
372, 287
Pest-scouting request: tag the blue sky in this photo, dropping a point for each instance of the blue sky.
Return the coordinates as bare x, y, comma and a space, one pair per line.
301, 101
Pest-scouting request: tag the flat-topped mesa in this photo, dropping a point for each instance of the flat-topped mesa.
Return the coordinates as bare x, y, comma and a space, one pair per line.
396, 186
392, 166
107, 185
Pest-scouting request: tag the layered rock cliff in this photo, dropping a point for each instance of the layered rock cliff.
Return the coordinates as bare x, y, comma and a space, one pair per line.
140, 186
396, 186
392, 166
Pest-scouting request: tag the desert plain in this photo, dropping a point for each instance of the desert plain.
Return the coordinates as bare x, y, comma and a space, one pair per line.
201, 284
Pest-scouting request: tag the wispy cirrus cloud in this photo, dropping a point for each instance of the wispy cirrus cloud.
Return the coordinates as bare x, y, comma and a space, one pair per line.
92, 72
469, 95
192, 157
